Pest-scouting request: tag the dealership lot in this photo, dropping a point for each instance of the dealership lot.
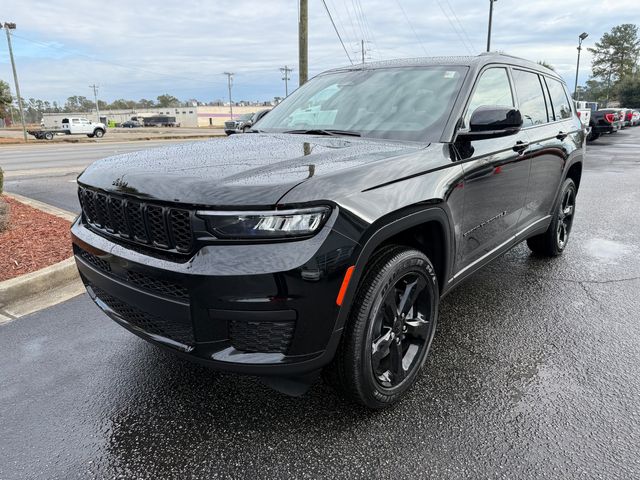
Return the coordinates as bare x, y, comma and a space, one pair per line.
533, 373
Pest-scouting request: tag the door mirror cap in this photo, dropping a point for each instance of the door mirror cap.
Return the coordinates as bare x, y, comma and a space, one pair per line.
492, 122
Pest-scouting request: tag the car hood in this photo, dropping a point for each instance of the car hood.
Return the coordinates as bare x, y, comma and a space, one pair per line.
248, 170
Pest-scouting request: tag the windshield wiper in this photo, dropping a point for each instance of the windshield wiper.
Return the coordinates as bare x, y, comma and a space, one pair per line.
319, 131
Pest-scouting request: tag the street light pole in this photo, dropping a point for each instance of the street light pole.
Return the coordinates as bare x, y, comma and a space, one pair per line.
7, 28
490, 22
229, 83
581, 37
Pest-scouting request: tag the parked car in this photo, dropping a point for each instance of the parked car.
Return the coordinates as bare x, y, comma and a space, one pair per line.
131, 124
606, 120
326, 240
635, 118
240, 124
628, 117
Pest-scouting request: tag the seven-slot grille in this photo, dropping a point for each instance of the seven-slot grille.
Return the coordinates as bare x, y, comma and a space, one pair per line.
146, 223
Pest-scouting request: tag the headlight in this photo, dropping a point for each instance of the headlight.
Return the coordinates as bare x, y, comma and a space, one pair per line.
269, 224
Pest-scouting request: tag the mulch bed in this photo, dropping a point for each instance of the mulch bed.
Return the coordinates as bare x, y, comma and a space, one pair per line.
33, 241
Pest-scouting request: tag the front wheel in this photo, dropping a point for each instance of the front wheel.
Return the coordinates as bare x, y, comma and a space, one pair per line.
389, 330
553, 242
98, 133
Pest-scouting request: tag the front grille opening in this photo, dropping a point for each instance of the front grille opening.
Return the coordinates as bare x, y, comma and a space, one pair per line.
157, 286
145, 223
162, 287
152, 324
264, 337
95, 261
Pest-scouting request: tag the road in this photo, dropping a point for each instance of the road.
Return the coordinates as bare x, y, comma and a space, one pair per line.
534, 373
47, 172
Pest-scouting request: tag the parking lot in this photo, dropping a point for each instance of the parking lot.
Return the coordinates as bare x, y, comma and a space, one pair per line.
533, 373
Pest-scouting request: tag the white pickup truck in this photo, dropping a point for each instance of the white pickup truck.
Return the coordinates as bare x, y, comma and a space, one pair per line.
72, 126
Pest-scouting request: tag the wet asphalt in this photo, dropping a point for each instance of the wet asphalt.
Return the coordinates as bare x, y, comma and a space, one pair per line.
534, 373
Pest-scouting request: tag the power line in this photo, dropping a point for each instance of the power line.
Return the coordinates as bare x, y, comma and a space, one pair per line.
367, 25
337, 32
353, 28
453, 26
464, 32
406, 17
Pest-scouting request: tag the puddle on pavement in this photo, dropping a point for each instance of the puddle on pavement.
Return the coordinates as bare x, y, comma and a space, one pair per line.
604, 249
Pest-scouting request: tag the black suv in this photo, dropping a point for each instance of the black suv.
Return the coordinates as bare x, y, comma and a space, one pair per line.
324, 240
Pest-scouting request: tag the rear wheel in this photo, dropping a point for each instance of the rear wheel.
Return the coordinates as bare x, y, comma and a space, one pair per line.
592, 136
389, 330
48, 136
553, 242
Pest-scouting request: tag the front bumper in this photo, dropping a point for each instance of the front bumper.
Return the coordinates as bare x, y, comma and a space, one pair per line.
262, 309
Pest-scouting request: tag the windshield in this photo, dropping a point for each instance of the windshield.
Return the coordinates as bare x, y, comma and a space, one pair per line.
394, 103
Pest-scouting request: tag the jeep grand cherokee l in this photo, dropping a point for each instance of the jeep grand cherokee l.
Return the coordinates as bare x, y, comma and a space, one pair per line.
324, 240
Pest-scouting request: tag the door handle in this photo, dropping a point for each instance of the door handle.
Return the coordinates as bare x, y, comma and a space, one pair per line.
520, 146
562, 135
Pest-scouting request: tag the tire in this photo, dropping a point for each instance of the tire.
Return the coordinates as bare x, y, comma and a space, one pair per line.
377, 343
90, 135
553, 242
98, 133
48, 136
592, 136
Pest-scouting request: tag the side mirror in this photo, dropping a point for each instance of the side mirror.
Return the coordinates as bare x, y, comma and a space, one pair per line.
492, 122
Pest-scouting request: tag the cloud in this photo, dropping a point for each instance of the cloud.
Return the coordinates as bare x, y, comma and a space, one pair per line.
137, 49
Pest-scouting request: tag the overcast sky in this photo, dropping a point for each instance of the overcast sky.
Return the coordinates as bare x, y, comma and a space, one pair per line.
135, 49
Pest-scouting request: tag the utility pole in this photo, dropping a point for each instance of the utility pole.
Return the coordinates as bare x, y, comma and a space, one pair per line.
95, 98
12, 26
362, 43
490, 22
229, 83
285, 72
581, 37
303, 41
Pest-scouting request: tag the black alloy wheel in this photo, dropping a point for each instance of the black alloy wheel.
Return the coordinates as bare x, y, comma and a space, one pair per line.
401, 330
389, 330
553, 242
565, 217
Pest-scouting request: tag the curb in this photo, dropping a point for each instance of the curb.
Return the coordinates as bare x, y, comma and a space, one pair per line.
43, 288
44, 207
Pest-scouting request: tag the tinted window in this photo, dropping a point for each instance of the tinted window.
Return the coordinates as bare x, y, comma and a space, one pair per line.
530, 98
561, 104
492, 89
410, 103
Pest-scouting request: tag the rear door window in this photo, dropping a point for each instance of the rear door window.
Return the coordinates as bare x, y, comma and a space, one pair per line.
559, 100
493, 89
530, 98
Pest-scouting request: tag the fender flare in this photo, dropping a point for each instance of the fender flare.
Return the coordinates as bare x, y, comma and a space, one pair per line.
388, 230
